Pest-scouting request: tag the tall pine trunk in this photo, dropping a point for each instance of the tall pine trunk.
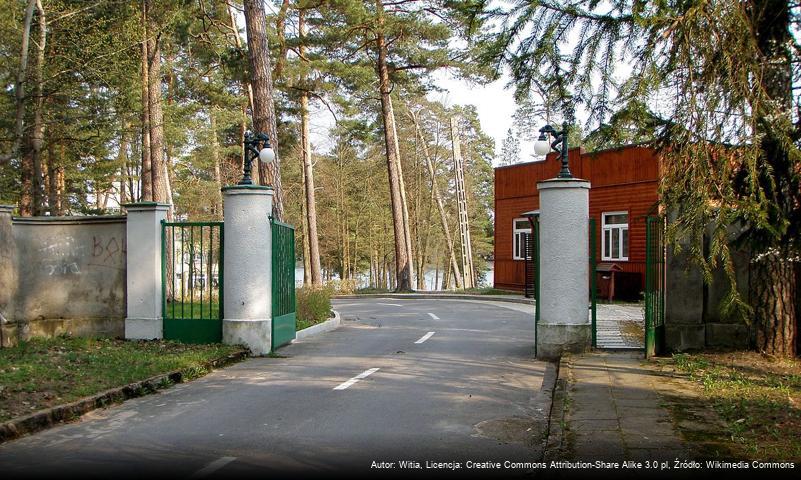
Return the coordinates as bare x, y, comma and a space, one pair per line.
308, 173
32, 198
122, 162
773, 296
404, 203
443, 217
158, 167
37, 135
773, 287
306, 255
215, 158
246, 88
54, 171
402, 257
19, 85
146, 176
264, 119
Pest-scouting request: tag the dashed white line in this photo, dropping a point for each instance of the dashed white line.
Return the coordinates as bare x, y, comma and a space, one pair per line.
433, 316
213, 467
364, 374
390, 304
425, 337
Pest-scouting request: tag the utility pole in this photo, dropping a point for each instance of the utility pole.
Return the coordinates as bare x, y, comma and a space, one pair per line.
461, 200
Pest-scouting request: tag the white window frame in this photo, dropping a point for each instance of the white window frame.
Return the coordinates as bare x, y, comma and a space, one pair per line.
515, 231
614, 226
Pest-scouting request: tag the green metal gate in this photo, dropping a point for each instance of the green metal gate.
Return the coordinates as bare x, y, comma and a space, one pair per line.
192, 281
654, 286
283, 277
593, 286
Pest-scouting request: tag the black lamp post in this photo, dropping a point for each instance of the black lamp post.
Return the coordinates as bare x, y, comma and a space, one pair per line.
542, 146
256, 146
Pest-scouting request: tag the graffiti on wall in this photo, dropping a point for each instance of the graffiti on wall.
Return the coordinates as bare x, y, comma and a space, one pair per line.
107, 251
67, 255
62, 255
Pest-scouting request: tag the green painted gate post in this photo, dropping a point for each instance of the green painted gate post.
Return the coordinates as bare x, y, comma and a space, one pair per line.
654, 286
535, 236
649, 306
593, 287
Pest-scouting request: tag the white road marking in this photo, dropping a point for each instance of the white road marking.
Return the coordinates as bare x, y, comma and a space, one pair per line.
364, 374
390, 304
425, 337
433, 316
213, 467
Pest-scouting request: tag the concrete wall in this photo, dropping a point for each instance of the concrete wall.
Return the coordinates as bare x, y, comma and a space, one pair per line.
693, 317
8, 271
69, 276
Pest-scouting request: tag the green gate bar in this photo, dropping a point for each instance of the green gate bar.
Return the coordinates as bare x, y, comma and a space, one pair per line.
654, 285
283, 279
593, 289
535, 237
192, 253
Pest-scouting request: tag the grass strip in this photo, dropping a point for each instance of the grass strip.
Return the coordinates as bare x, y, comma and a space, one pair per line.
757, 396
42, 373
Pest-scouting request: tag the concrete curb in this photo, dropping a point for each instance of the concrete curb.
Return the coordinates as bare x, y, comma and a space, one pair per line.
320, 328
555, 442
441, 296
50, 417
542, 403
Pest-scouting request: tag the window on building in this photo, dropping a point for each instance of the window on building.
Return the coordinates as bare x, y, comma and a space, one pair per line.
615, 236
520, 229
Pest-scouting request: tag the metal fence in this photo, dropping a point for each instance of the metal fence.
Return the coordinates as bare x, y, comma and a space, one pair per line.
192, 273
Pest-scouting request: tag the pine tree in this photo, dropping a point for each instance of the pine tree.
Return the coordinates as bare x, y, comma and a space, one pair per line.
510, 149
721, 74
391, 42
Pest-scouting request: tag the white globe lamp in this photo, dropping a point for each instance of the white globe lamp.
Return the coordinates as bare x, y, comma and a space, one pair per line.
266, 155
542, 146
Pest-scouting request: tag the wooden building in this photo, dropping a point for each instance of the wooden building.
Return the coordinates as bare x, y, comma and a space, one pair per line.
624, 183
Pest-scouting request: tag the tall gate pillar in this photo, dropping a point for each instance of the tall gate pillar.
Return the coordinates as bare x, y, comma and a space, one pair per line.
248, 262
143, 319
564, 324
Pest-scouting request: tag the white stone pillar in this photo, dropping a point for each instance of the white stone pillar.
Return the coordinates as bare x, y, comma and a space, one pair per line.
143, 270
247, 261
564, 324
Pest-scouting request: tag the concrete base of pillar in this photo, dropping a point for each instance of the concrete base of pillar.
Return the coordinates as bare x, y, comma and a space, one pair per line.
253, 334
144, 328
682, 338
728, 335
555, 339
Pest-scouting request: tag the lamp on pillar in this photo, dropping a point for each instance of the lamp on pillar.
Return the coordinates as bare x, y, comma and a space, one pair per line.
543, 146
256, 146
563, 324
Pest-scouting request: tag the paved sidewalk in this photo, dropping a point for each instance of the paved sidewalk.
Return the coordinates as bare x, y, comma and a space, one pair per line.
607, 408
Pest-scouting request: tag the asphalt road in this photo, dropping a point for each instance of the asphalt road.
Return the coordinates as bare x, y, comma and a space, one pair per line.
422, 380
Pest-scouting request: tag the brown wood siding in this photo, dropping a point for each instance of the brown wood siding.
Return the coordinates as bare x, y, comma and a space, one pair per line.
624, 179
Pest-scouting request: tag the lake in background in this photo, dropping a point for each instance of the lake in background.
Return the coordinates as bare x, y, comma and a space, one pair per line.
364, 278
